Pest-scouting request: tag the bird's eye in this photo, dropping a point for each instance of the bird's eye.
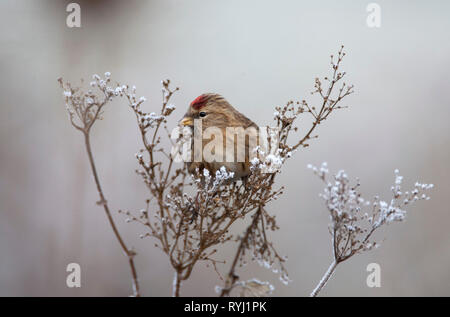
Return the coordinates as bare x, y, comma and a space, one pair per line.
202, 114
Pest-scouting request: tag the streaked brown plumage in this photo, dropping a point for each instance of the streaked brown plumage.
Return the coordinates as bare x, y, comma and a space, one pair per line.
216, 111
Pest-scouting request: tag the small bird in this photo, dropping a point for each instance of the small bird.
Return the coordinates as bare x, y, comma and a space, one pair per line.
215, 111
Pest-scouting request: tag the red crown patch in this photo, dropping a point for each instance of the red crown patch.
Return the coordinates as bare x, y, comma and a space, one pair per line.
199, 102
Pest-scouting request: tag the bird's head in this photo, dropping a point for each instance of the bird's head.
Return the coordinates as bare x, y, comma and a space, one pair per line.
212, 109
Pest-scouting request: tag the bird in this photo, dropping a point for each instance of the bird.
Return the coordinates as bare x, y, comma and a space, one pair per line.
213, 112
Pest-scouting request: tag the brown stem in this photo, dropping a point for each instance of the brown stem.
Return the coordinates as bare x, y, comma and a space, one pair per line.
129, 253
231, 276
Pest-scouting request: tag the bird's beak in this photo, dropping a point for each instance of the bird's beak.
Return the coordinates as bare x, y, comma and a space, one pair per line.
187, 121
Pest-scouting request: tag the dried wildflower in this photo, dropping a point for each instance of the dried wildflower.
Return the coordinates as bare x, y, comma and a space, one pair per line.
84, 109
355, 219
190, 216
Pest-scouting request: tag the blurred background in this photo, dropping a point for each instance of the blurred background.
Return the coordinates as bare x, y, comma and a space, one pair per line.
258, 54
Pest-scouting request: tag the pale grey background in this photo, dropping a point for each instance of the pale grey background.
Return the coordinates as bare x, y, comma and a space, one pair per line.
258, 54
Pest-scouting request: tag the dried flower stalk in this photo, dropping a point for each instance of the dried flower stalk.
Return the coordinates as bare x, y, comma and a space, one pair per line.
84, 109
191, 216
355, 219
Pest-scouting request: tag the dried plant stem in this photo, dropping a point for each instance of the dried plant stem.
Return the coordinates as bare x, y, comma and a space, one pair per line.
231, 276
324, 279
129, 253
